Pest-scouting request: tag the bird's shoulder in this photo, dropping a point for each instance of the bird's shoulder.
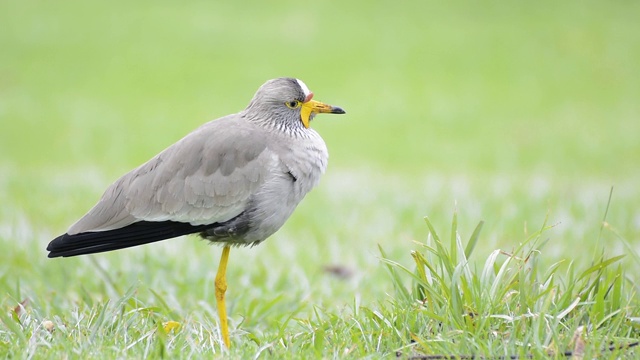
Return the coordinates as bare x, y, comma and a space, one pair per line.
224, 146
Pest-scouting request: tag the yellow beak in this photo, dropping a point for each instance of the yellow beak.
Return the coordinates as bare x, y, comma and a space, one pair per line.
312, 107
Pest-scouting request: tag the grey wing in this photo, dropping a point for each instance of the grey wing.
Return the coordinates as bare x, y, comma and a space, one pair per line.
207, 177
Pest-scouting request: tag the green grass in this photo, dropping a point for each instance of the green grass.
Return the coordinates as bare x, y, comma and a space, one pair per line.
521, 115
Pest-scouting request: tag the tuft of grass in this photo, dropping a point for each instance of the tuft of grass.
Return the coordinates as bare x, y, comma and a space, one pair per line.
513, 305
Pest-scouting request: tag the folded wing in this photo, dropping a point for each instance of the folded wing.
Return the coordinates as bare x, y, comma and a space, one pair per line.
207, 178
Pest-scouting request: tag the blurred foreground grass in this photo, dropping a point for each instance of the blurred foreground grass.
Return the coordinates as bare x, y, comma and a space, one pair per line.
510, 114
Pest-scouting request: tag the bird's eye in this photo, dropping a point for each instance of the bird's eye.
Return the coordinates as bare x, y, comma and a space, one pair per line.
292, 104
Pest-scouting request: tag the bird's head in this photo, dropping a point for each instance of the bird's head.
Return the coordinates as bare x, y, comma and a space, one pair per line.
288, 102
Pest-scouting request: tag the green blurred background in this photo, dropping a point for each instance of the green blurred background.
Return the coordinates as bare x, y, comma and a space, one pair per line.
509, 111
453, 87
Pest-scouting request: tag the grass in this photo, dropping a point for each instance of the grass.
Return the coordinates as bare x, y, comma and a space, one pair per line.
444, 305
514, 306
522, 116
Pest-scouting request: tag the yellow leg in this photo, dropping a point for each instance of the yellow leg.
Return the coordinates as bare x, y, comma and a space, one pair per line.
221, 288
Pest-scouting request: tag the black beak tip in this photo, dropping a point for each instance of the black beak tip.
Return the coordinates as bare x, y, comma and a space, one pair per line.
337, 110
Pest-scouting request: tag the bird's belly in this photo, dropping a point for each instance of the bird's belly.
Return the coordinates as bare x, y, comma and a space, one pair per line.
271, 210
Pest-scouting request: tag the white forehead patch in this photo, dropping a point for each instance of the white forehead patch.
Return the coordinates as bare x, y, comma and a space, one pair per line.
304, 87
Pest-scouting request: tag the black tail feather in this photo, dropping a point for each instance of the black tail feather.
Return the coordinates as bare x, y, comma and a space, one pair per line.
139, 233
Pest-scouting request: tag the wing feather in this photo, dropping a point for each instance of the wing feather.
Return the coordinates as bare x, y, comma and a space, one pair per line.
209, 176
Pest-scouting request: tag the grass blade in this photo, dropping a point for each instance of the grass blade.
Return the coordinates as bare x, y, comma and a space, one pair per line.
473, 240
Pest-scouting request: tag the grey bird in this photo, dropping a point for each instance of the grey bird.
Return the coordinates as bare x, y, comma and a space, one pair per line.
234, 180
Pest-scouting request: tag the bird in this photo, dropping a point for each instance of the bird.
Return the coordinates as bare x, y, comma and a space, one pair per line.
233, 181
